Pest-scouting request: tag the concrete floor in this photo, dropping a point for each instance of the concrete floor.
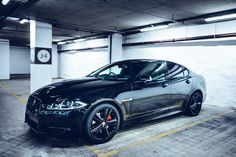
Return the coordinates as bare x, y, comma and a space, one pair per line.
212, 133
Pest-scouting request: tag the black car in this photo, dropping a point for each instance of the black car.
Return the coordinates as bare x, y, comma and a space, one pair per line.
97, 105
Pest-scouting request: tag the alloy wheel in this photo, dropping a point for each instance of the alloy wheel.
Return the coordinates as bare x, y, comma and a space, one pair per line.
196, 103
104, 124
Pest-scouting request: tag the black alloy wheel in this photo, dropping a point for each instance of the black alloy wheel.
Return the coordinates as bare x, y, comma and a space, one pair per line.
102, 124
194, 105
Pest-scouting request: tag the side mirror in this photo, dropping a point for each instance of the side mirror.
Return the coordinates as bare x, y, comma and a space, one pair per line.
146, 79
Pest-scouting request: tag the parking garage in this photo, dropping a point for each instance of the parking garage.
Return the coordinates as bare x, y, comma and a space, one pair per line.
49, 41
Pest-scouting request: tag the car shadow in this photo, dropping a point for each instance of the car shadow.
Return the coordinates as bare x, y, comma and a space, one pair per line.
69, 139
138, 124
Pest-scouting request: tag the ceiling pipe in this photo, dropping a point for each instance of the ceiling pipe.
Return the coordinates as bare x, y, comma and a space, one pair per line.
84, 49
215, 36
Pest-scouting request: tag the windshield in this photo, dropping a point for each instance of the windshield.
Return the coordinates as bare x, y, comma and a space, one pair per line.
124, 70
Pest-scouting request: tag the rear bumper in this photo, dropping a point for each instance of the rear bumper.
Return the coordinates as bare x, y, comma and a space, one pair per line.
54, 122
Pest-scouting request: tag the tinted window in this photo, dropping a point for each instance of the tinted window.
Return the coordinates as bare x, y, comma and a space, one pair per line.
119, 71
175, 71
156, 70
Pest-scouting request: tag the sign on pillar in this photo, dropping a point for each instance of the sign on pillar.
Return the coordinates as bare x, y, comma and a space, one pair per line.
41, 55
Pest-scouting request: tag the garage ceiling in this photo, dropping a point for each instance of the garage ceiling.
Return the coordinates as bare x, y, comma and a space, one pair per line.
79, 18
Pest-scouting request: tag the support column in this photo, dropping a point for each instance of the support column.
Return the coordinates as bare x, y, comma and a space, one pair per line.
41, 54
115, 47
54, 61
4, 59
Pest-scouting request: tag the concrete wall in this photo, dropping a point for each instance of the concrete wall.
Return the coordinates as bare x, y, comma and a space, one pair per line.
19, 60
75, 65
4, 59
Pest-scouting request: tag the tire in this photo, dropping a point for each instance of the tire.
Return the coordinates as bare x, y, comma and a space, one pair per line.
102, 124
194, 104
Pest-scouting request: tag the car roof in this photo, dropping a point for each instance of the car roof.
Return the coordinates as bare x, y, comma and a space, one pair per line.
138, 60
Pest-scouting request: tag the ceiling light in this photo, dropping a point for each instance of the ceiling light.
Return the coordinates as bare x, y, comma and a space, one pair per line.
22, 21
222, 17
79, 40
154, 28
13, 18
4, 2
61, 43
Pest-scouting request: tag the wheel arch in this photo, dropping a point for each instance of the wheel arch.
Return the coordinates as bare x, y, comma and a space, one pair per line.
108, 101
197, 90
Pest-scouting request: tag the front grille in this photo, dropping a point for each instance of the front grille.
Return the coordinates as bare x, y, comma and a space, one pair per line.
33, 104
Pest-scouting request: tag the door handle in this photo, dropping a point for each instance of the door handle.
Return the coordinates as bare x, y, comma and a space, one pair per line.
187, 81
164, 85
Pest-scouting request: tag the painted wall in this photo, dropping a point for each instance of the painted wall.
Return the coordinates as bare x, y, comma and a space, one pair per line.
75, 65
4, 59
19, 60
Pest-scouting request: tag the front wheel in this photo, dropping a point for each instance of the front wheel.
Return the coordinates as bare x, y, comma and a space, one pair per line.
194, 105
102, 124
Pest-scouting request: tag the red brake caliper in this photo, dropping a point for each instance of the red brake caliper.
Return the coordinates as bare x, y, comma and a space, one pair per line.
109, 117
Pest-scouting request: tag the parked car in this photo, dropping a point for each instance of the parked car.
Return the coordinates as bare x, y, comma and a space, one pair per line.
97, 105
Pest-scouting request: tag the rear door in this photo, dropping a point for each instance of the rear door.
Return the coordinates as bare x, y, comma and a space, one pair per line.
152, 95
180, 85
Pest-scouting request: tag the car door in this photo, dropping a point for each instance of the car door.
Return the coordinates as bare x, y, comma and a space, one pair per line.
180, 84
151, 90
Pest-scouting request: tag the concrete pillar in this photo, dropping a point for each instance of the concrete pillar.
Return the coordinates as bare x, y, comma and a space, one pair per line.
115, 47
54, 61
41, 54
4, 59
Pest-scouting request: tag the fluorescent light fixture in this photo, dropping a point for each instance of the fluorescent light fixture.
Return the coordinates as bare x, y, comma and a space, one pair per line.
13, 18
61, 43
222, 17
79, 40
4, 2
154, 28
22, 21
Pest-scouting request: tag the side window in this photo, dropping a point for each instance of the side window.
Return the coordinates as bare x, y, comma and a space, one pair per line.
175, 71
186, 72
115, 69
156, 70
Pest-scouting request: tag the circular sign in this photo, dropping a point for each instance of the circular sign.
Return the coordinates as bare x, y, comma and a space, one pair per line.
43, 56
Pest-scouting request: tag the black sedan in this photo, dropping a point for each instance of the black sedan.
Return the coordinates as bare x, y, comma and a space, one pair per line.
96, 106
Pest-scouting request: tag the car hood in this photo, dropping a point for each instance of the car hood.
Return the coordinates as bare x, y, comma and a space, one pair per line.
70, 89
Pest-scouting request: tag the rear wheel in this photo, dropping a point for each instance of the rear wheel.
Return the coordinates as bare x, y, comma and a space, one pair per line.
194, 105
102, 124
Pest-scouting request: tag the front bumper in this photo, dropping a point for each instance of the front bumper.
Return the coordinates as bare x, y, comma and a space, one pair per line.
55, 122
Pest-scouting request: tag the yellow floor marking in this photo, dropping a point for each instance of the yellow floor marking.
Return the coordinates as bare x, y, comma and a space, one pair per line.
21, 99
159, 136
94, 149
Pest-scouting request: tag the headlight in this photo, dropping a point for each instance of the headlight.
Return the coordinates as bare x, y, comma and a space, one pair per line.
66, 105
